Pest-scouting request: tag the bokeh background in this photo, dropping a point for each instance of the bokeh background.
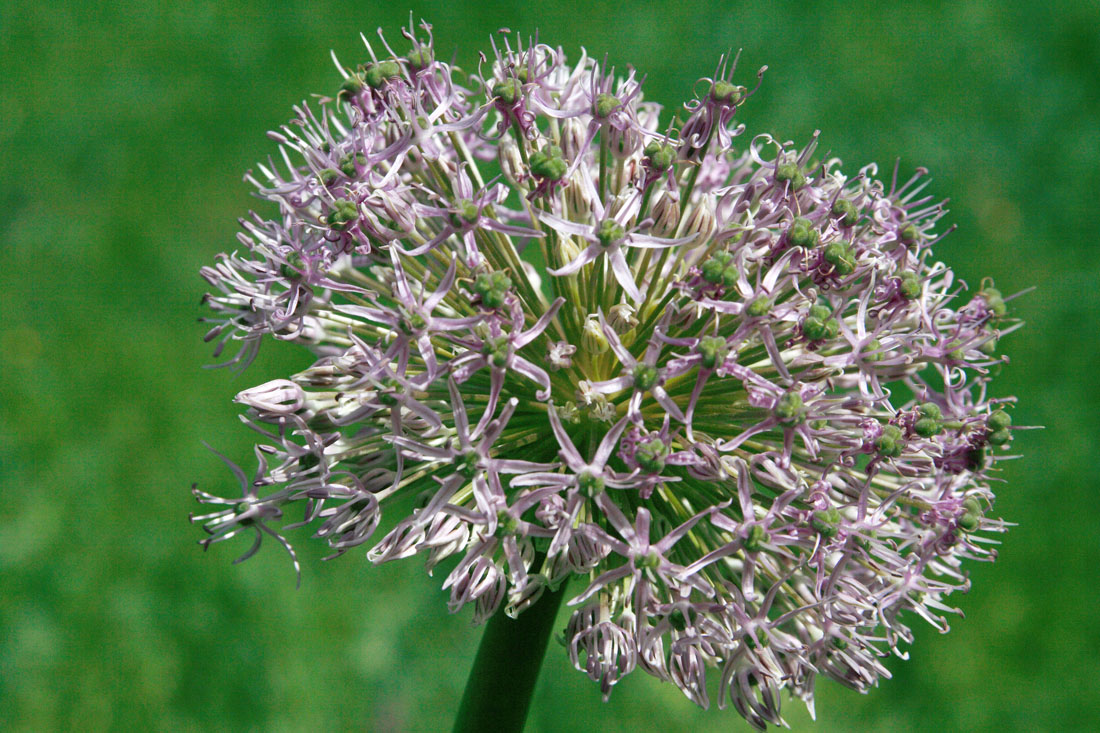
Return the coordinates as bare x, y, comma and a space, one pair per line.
125, 128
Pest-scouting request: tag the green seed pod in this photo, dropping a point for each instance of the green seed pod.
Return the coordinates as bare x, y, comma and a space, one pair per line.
930, 409
350, 88
604, 105
968, 522
889, 443
788, 408
661, 156
846, 211
758, 537
727, 93
872, 352
508, 90
802, 233
908, 234
328, 176
381, 72
841, 257
1000, 437
609, 232
714, 350
651, 455
994, 301
343, 211
759, 307
419, 58
998, 420
548, 163
792, 173
589, 484
927, 427
826, 522
645, 377
910, 287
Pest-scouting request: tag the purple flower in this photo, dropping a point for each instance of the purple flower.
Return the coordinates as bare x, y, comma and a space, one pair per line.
776, 449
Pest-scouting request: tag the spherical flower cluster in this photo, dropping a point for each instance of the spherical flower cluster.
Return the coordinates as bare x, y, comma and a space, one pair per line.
722, 389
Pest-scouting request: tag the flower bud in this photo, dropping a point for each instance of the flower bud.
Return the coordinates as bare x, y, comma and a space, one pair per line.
701, 222
277, 397
511, 162
622, 317
593, 339
578, 203
666, 214
573, 138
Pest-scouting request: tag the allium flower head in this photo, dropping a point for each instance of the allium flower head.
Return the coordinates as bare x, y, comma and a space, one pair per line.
717, 385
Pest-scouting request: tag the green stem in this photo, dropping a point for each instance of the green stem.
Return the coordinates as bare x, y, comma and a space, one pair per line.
502, 680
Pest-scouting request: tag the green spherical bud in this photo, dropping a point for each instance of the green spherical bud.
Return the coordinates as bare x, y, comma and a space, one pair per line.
676, 619
927, 427
888, 444
661, 156
381, 72
609, 232
350, 88
976, 458
758, 537
972, 506
508, 90
720, 269
343, 211
419, 58
496, 350
790, 172
590, 484
759, 307
714, 350
968, 522
492, 287
846, 211
802, 233
292, 268
548, 163
328, 176
994, 301
1000, 437
819, 311
908, 234
989, 348
349, 162
723, 91
604, 105
506, 524
468, 464
841, 257
788, 408
910, 286
873, 351
651, 455
645, 377
998, 420
930, 409
826, 522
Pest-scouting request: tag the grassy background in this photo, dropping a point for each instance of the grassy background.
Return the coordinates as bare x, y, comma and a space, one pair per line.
124, 131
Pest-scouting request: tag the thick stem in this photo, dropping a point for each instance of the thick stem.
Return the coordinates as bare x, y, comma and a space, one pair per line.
502, 680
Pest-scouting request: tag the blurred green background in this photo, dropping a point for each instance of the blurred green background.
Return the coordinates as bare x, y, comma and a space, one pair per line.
125, 130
